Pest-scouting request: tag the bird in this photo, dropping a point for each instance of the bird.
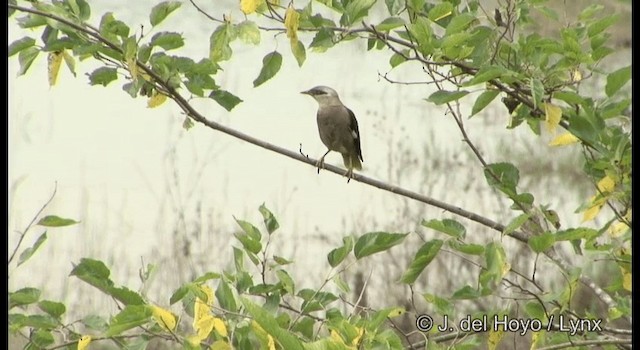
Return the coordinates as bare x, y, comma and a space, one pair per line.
338, 128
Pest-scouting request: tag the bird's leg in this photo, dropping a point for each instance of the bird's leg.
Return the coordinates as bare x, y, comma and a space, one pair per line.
320, 163
349, 174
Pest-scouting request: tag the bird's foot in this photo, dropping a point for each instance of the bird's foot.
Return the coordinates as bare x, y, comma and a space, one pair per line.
349, 174
320, 164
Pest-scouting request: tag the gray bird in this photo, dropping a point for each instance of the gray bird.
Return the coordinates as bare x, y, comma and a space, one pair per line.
338, 128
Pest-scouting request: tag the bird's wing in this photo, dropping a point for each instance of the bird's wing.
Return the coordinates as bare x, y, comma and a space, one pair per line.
353, 126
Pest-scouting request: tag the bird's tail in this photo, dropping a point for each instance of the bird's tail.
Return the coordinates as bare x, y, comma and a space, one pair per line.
351, 161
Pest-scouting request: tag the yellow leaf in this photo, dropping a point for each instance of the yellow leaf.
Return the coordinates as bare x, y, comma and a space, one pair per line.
263, 335
84, 342
399, 311
576, 76
248, 6
553, 115
204, 327
618, 229
443, 16
291, 22
164, 318
494, 338
194, 340
591, 213
335, 336
220, 327
606, 184
564, 139
626, 279
536, 337
156, 100
55, 61
220, 345
356, 340
133, 68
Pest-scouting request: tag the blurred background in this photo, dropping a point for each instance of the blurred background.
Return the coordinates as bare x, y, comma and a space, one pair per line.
149, 192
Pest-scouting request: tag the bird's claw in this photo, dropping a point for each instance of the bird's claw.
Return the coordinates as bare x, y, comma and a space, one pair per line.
320, 164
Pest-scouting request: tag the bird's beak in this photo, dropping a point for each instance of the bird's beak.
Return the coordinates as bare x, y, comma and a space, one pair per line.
308, 92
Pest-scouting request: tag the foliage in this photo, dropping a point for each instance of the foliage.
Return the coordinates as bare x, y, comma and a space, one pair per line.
471, 54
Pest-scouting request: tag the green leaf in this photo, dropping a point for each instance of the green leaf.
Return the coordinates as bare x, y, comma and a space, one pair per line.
282, 336
162, 10
52, 308
180, 293
421, 31
315, 300
443, 306
270, 221
446, 226
336, 256
271, 64
497, 267
537, 91
225, 99
467, 248
617, 79
281, 261
569, 97
466, 292
299, 52
483, 100
355, 10
515, 223
390, 23
103, 76
540, 243
286, 281
24, 296
225, 296
576, 233
535, 310
460, 23
485, 74
56, 221
397, 59
219, 48
40, 339
442, 96
111, 28
95, 322
26, 58
93, 272
130, 317
126, 296
440, 11
601, 24
27, 253
374, 242
167, 40
394, 6
323, 40
503, 176
248, 32
423, 257
21, 44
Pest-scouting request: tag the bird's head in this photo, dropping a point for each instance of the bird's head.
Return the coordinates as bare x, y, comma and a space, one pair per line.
325, 95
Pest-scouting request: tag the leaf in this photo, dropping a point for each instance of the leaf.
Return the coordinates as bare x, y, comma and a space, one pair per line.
617, 79
598, 26
219, 48
440, 11
103, 76
24, 296
606, 185
553, 116
540, 243
323, 40
286, 281
271, 64
55, 221
394, 6
130, 317
390, 23
52, 308
27, 253
93, 272
466, 292
483, 100
564, 140
423, 257
537, 91
442, 96
167, 40
26, 58
446, 226
467, 248
162, 10
355, 10
70, 62
503, 176
270, 325
374, 242
299, 52
460, 23
20, 44
225, 99
485, 74
291, 23
248, 32
497, 267
397, 59
163, 317
225, 296
336, 256
270, 221
515, 223
156, 99
248, 6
